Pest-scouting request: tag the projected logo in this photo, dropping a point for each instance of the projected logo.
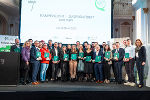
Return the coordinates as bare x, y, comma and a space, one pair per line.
100, 4
32, 2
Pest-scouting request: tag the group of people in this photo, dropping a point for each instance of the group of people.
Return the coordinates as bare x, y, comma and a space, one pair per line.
43, 62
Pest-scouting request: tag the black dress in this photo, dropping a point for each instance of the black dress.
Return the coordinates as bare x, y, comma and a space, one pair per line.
88, 68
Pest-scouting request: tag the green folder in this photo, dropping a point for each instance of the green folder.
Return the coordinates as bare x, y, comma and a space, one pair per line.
116, 55
81, 55
88, 58
127, 55
107, 55
46, 55
66, 56
17, 50
98, 59
55, 58
38, 54
74, 56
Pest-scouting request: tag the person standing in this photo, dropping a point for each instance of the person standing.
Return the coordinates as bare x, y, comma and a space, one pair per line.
113, 66
80, 68
46, 57
26, 61
98, 67
55, 63
118, 62
129, 60
140, 53
35, 62
64, 58
88, 67
107, 63
73, 63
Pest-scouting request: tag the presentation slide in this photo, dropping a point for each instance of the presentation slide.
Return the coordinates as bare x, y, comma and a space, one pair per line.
66, 21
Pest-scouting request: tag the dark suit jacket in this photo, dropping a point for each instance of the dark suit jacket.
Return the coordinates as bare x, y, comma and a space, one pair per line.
33, 54
142, 54
121, 54
99, 54
12, 48
54, 53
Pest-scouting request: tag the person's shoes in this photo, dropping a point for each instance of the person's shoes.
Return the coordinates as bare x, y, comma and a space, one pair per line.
24, 83
140, 86
100, 81
132, 84
97, 81
34, 83
128, 83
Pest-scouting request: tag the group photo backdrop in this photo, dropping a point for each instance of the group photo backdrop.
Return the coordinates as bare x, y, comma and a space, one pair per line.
66, 21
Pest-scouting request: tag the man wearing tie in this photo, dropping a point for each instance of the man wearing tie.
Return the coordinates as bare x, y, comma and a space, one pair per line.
118, 62
35, 61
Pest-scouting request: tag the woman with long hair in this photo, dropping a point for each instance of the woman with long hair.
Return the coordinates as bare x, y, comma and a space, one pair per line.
140, 52
73, 63
26, 60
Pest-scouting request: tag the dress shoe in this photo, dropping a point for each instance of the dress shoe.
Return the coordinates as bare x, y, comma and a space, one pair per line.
34, 83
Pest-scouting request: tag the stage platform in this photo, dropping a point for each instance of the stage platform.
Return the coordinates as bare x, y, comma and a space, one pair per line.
74, 91
72, 86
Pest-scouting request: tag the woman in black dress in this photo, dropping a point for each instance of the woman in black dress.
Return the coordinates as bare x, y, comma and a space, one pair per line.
88, 64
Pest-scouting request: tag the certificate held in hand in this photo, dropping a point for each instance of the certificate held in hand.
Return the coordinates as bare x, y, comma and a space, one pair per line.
127, 55
88, 58
66, 57
17, 50
74, 56
55, 58
98, 59
38, 54
107, 55
116, 55
81, 55
46, 55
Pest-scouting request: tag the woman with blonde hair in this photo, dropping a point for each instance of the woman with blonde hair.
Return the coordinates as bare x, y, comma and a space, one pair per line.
25, 60
140, 52
73, 63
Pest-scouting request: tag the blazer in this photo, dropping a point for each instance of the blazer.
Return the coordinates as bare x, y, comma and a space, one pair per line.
54, 53
99, 54
33, 52
142, 54
121, 54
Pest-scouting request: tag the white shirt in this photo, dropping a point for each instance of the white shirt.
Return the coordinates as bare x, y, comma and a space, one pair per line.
131, 51
97, 53
56, 52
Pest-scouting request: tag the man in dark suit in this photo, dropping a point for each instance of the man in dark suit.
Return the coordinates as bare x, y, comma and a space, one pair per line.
118, 62
49, 70
98, 67
55, 64
17, 45
35, 62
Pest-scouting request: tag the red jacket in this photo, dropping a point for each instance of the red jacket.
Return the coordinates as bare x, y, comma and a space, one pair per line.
43, 50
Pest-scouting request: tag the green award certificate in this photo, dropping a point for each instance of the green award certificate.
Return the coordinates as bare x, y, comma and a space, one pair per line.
55, 58
107, 55
38, 54
46, 55
98, 59
17, 50
66, 57
127, 55
116, 55
81, 54
74, 56
88, 58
